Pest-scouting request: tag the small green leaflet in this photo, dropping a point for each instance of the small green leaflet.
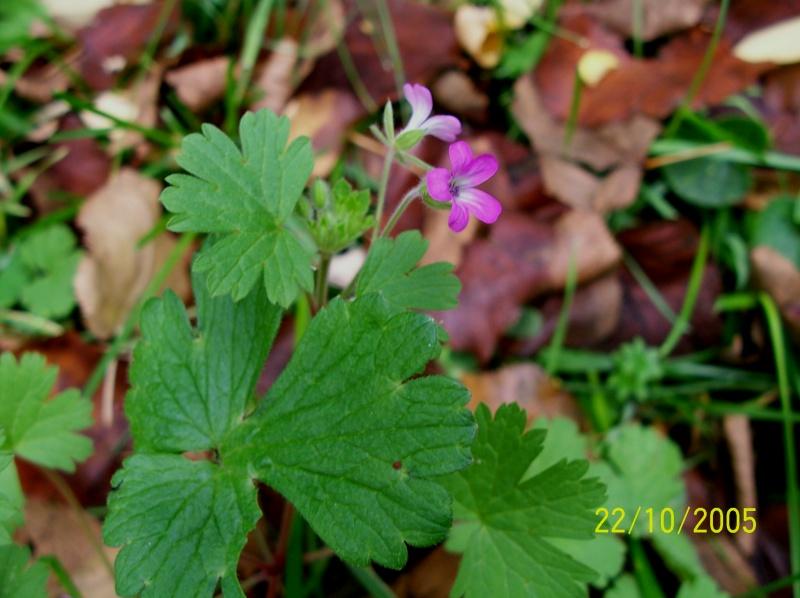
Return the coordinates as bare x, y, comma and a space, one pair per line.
340, 434
245, 199
391, 271
504, 525
37, 429
39, 274
17, 579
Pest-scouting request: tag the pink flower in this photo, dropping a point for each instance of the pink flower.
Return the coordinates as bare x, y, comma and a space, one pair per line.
446, 128
457, 185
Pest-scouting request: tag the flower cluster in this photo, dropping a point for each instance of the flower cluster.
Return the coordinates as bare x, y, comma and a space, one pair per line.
456, 185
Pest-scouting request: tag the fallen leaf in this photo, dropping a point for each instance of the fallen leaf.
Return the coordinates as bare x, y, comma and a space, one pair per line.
201, 83
114, 272
478, 31
522, 259
779, 277
638, 86
600, 148
40, 82
740, 444
458, 94
277, 77
325, 118
778, 43
658, 17
83, 170
416, 25
57, 530
526, 384
430, 578
76, 13
116, 38
593, 317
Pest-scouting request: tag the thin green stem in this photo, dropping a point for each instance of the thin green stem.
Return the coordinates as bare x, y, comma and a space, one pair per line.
69, 496
321, 282
184, 242
387, 26
560, 332
146, 60
382, 186
400, 210
681, 325
637, 21
652, 292
790, 448
702, 70
370, 581
574, 108
645, 577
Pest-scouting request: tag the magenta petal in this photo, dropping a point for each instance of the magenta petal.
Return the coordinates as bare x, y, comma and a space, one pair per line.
478, 171
460, 156
446, 128
438, 181
459, 217
483, 206
421, 104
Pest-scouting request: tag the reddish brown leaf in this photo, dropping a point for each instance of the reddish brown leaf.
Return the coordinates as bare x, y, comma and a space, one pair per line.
416, 26
653, 86
117, 37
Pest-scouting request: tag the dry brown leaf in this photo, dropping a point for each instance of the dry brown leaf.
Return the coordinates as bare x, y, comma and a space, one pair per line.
522, 259
114, 272
658, 17
443, 245
201, 83
325, 117
650, 86
526, 384
740, 444
478, 31
617, 147
458, 94
433, 577
779, 277
277, 77
601, 148
57, 530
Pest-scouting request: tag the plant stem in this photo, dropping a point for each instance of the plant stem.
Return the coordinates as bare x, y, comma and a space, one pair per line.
775, 328
399, 210
702, 70
384, 183
66, 492
560, 332
321, 283
681, 325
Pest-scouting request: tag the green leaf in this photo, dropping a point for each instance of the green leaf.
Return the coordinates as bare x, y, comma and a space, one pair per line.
707, 182
246, 199
190, 388
181, 524
641, 469
11, 500
16, 19
352, 446
624, 587
37, 429
504, 525
702, 587
17, 579
40, 273
390, 271
13, 278
774, 226
339, 434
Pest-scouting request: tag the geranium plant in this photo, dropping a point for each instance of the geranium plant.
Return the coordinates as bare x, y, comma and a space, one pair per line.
370, 450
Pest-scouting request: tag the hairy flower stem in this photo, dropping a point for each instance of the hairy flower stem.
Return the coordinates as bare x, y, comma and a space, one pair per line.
321, 283
400, 209
384, 183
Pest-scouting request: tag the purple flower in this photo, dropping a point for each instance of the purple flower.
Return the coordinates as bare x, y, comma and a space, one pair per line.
457, 185
446, 128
